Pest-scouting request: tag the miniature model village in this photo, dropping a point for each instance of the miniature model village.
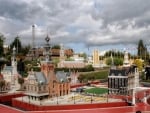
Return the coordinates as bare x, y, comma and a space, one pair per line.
48, 86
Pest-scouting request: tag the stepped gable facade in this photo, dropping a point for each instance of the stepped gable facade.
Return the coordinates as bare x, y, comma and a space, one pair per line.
47, 83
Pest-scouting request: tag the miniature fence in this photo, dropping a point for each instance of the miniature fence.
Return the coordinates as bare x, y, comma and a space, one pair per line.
31, 107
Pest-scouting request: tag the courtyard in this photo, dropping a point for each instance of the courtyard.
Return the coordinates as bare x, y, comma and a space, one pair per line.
72, 98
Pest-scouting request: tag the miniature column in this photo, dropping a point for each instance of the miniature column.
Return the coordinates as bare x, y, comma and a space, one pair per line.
133, 97
145, 98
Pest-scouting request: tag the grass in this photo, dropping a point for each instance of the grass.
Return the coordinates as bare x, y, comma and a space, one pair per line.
97, 90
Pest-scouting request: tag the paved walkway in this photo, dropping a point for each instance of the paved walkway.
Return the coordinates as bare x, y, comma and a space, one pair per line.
73, 98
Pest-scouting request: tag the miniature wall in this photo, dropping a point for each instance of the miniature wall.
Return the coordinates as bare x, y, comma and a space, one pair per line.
8, 97
31, 107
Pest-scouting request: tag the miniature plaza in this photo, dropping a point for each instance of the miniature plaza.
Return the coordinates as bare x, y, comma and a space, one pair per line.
72, 98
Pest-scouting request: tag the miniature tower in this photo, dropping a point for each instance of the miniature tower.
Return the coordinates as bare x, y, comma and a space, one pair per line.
47, 66
135, 85
126, 60
112, 62
47, 50
33, 36
62, 54
96, 62
14, 67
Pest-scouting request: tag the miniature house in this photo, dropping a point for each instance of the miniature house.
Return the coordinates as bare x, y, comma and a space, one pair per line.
47, 83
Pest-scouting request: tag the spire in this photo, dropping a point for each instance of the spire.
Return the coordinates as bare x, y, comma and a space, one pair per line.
112, 60
13, 56
47, 49
126, 60
14, 51
62, 54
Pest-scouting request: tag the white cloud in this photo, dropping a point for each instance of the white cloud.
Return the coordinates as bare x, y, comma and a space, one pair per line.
90, 22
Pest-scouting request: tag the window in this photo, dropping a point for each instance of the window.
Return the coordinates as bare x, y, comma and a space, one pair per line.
39, 88
44, 88
35, 88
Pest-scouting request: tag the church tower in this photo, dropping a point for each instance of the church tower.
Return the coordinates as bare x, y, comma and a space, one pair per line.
62, 52
47, 66
96, 62
126, 60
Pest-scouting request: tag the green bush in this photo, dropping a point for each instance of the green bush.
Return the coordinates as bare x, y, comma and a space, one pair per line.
36, 69
88, 68
93, 76
117, 61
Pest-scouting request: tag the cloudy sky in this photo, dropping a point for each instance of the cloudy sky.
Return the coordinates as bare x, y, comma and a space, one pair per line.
78, 24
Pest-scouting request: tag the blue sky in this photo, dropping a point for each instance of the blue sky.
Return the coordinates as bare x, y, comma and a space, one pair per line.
78, 24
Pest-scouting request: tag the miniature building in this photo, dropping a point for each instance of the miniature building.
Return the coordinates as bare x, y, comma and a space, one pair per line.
62, 53
10, 72
123, 80
74, 78
96, 62
147, 72
36, 86
71, 64
76, 63
5, 86
47, 83
126, 62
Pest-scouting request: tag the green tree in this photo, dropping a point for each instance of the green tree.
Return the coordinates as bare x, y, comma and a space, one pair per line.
56, 47
117, 61
17, 44
25, 49
139, 64
1, 45
142, 50
114, 53
82, 78
56, 61
89, 68
84, 55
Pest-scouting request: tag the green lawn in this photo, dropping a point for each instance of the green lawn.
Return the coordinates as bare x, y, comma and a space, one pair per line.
97, 90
